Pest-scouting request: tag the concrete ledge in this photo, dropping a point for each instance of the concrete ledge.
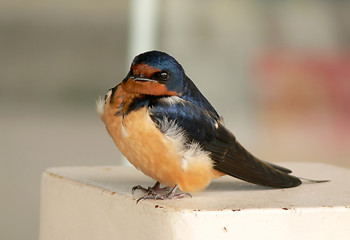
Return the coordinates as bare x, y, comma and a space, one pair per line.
96, 203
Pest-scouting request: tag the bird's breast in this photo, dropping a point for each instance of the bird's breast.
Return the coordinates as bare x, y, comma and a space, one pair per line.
162, 155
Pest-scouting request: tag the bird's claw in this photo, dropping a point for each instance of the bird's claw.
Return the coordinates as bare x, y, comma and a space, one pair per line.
139, 187
163, 197
154, 193
156, 189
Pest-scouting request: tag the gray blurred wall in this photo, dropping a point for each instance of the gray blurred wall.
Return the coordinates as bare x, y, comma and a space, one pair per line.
56, 58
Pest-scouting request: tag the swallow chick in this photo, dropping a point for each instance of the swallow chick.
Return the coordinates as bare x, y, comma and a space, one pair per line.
166, 128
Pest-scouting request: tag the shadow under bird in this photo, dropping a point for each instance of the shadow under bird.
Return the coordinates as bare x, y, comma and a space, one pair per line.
166, 128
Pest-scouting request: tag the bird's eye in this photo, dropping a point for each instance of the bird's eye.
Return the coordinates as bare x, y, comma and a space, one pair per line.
164, 75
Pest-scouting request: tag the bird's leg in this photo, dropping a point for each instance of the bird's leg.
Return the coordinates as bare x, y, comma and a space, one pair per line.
156, 189
170, 195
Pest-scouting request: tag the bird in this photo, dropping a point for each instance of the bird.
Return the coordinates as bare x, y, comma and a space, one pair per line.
166, 128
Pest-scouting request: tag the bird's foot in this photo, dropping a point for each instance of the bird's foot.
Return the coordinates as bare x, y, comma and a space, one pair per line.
156, 189
158, 196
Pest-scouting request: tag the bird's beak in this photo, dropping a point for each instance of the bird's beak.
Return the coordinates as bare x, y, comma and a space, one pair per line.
142, 79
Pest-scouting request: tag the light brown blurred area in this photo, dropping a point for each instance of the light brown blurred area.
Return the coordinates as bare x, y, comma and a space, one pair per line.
278, 71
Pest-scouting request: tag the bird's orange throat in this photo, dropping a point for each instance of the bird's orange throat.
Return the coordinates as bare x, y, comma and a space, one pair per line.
129, 90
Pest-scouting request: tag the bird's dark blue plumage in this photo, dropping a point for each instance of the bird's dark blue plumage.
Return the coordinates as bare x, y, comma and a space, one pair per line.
198, 123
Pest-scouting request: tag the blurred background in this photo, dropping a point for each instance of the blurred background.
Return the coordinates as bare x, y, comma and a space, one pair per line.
278, 71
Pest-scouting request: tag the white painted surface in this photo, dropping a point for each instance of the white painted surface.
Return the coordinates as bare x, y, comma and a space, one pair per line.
143, 28
96, 203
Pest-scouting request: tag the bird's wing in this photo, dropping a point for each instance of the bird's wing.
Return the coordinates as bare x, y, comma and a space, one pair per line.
227, 153
233, 159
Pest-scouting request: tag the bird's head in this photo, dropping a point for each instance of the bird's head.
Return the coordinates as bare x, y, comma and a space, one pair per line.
154, 73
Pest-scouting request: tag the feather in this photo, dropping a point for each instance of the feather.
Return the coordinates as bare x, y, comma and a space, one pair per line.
204, 126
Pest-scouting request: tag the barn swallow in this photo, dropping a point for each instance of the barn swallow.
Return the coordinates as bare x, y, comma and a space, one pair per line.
166, 128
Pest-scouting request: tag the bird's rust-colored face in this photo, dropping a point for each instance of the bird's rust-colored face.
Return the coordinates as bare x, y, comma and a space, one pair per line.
148, 80
147, 71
